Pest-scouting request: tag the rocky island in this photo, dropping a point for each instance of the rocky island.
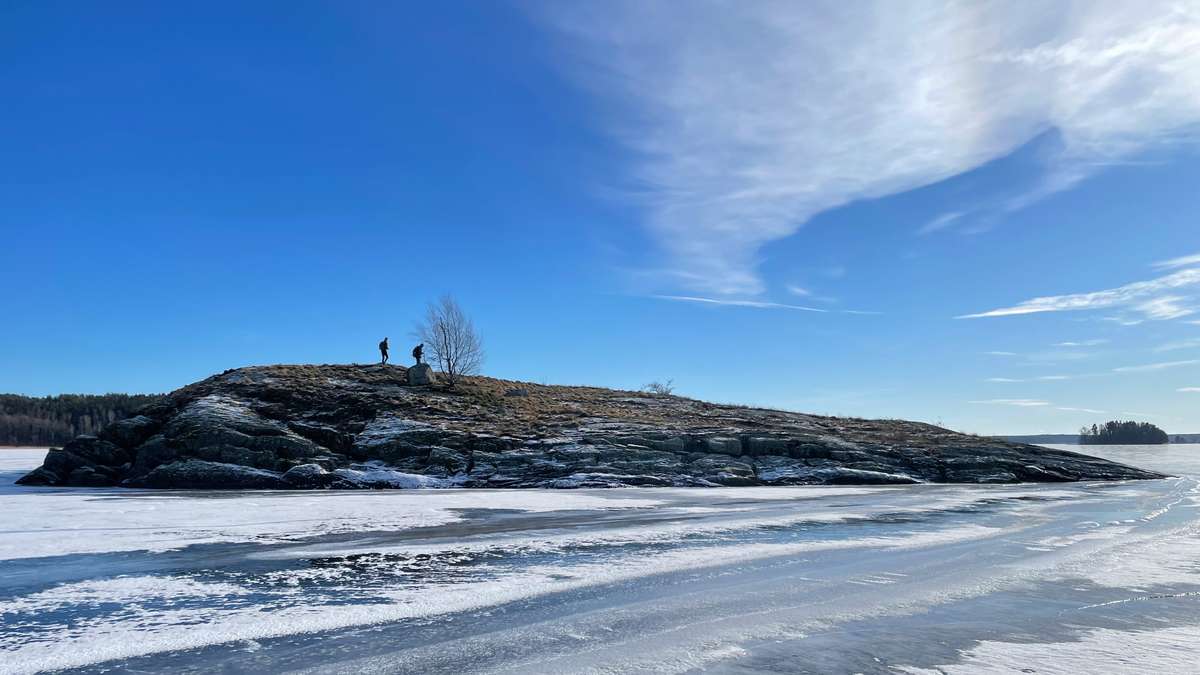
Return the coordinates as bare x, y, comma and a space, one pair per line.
350, 426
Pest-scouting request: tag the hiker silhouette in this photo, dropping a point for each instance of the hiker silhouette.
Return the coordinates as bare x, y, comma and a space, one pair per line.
418, 352
383, 349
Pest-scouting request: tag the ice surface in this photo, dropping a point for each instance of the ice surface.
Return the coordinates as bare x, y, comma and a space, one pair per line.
661, 580
1170, 650
42, 522
136, 630
21, 459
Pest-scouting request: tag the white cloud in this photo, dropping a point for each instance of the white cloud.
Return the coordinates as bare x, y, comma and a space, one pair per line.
1177, 345
1164, 308
1146, 297
1156, 366
1084, 410
798, 290
1040, 378
746, 119
1020, 402
940, 223
1192, 390
758, 304
1001, 353
1182, 261
1123, 320
1085, 343
737, 303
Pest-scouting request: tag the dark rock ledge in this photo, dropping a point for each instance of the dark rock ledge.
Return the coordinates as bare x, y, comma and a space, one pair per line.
342, 427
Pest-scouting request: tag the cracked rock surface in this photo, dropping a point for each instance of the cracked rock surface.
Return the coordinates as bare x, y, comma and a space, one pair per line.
349, 426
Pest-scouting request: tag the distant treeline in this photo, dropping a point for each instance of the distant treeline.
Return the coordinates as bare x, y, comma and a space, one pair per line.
1123, 433
54, 420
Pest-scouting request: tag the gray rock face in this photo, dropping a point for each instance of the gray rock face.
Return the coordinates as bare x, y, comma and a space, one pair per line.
198, 474
421, 375
349, 427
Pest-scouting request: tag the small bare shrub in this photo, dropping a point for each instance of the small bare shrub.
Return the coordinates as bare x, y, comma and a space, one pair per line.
660, 388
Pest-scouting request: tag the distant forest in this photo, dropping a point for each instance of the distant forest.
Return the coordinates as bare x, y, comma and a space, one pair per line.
1123, 433
54, 420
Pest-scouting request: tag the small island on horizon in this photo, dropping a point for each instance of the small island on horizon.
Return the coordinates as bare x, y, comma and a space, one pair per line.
1121, 433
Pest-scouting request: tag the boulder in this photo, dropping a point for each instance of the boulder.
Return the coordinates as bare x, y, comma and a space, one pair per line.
421, 375
131, 432
199, 474
315, 477
724, 445
40, 476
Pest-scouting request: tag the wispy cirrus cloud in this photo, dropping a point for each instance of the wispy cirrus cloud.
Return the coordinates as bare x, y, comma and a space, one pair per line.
940, 223
802, 292
1182, 261
1039, 403
1039, 378
995, 353
1178, 345
738, 303
1149, 367
1092, 411
759, 304
746, 119
1019, 402
1190, 390
1150, 298
1084, 343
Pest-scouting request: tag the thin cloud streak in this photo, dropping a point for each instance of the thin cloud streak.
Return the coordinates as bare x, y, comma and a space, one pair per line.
1155, 366
1142, 296
738, 303
1040, 378
1191, 390
1176, 346
940, 223
1182, 261
1092, 411
758, 304
1019, 402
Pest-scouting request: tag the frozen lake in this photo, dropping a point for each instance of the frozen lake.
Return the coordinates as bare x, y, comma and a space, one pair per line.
1092, 577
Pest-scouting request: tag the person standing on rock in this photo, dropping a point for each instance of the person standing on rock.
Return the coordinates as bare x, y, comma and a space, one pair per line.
383, 349
418, 352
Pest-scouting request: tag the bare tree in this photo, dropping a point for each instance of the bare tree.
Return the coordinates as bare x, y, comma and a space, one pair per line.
450, 339
660, 388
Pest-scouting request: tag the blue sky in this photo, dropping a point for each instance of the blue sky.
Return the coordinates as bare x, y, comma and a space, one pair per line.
884, 210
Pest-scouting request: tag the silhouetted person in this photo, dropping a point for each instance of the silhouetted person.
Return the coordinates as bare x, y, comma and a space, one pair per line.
418, 352
383, 347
